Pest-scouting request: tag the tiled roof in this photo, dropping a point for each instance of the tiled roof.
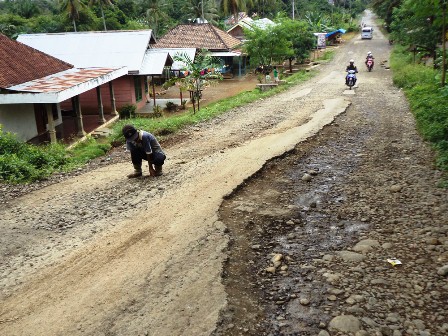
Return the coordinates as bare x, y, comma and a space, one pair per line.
20, 63
62, 80
200, 36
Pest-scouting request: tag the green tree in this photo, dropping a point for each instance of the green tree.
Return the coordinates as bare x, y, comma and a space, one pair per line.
265, 46
301, 37
101, 3
194, 9
198, 74
385, 8
156, 14
417, 23
72, 8
318, 22
234, 7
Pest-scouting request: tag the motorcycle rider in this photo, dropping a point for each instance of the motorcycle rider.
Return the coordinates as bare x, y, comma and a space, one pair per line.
351, 66
370, 57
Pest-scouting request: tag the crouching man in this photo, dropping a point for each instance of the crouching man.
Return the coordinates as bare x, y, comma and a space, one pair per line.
143, 146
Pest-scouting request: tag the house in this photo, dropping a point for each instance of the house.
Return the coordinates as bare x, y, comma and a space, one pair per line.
33, 85
107, 49
219, 43
237, 30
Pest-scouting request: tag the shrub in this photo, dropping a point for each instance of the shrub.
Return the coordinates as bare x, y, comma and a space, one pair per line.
157, 111
127, 111
15, 169
9, 143
170, 106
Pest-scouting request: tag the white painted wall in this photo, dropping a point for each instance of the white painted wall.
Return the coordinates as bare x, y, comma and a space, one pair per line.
19, 119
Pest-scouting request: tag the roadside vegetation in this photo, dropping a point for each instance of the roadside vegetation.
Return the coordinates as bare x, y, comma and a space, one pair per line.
427, 100
21, 162
418, 30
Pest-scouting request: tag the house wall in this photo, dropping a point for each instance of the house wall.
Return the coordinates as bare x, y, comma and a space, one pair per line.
124, 91
19, 119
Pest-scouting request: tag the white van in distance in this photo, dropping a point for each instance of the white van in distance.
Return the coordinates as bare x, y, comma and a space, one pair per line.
367, 33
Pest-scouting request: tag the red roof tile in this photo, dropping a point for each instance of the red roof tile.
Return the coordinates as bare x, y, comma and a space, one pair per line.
200, 36
20, 63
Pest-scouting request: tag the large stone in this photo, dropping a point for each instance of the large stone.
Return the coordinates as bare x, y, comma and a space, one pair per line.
351, 256
443, 271
365, 245
345, 323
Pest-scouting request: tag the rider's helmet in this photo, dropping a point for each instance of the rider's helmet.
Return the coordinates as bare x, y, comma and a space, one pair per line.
352, 61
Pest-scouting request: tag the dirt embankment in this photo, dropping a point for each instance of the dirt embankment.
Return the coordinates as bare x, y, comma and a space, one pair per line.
97, 254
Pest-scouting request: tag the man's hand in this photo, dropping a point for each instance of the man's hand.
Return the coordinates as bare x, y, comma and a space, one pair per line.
152, 172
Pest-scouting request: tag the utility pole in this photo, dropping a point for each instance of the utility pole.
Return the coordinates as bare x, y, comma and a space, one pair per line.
202, 11
293, 9
443, 42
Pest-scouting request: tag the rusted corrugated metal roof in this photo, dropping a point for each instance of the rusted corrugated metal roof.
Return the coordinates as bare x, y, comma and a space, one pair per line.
60, 86
110, 49
62, 80
199, 36
19, 63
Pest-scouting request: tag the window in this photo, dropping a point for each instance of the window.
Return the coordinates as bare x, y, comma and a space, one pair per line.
138, 88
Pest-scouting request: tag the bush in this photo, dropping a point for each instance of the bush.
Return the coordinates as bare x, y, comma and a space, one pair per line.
170, 106
9, 143
127, 111
13, 169
22, 162
157, 111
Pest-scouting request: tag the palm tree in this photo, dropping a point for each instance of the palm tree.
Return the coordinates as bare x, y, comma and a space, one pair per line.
101, 3
155, 14
72, 8
234, 6
205, 9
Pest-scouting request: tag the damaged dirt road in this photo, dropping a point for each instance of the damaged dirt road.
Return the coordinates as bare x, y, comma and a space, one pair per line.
97, 254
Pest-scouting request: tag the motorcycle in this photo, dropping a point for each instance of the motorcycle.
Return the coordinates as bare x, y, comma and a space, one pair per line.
350, 79
369, 64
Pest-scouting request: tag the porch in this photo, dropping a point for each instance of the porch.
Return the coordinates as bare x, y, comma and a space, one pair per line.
67, 131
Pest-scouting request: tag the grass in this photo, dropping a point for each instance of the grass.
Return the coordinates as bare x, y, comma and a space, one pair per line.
427, 99
22, 163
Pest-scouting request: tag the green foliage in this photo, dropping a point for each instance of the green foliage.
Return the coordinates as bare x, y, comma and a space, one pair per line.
427, 101
157, 111
201, 73
127, 111
21, 162
86, 151
14, 169
9, 143
170, 106
286, 40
